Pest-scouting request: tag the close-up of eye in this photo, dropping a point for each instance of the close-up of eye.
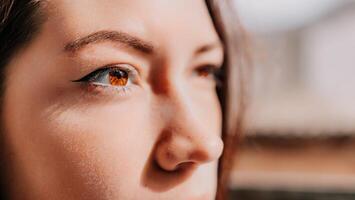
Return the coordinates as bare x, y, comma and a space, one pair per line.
114, 76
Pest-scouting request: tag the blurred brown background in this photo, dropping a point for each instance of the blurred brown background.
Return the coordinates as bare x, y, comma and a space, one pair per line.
300, 140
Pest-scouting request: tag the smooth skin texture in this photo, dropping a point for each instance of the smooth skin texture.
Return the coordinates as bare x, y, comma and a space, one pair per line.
157, 137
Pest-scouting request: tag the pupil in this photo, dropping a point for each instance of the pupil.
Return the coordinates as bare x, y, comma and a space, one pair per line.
118, 77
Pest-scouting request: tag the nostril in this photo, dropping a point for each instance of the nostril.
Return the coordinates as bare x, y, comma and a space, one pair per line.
185, 165
159, 179
179, 168
168, 161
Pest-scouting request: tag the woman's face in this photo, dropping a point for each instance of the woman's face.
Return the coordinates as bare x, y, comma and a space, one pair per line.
115, 99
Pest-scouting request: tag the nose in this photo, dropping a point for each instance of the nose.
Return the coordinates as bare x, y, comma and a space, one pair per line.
187, 141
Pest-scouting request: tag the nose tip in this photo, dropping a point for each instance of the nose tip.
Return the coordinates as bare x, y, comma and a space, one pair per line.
179, 151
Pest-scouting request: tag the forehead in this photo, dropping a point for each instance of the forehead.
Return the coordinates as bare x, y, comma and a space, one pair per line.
159, 21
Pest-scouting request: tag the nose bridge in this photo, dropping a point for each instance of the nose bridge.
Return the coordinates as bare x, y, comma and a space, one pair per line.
184, 120
186, 139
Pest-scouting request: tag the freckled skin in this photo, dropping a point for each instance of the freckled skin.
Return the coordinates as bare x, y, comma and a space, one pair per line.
159, 138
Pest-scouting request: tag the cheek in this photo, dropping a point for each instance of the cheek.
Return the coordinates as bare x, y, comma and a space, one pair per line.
111, 139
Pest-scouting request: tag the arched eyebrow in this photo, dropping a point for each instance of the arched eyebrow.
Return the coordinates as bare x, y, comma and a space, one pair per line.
126, 39
114, 36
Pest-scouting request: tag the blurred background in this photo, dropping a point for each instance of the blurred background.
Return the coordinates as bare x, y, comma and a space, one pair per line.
300, 140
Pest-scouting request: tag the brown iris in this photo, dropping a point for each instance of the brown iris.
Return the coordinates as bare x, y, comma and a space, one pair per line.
118, 77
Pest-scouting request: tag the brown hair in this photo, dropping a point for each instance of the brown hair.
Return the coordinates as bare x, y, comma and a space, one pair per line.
232, 93
20, 20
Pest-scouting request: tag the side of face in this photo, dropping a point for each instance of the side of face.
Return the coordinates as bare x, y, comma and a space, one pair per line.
145, 125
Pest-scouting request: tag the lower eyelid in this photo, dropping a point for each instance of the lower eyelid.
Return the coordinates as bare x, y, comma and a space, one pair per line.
97, 89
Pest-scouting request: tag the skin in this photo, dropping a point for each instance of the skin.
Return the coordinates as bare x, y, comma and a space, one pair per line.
160, 138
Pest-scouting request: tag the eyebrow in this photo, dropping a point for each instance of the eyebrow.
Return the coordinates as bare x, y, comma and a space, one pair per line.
115, 36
